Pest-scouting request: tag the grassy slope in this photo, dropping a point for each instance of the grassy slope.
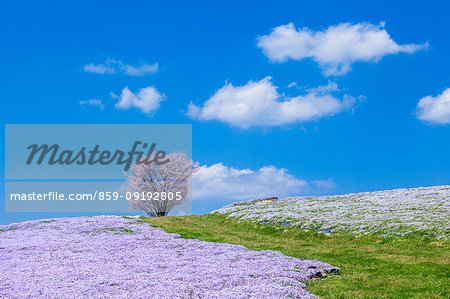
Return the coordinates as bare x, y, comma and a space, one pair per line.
371, 268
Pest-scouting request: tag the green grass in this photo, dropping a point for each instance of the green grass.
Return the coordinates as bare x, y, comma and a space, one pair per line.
370, 267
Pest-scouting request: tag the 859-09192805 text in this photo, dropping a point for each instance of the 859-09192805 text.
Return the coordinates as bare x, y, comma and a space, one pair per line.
97, 195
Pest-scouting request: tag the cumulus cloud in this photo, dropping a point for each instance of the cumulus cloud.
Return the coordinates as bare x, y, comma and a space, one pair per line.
92, 102
435, 109
260, 104
219, 182
146, 99
112, 66
335, 48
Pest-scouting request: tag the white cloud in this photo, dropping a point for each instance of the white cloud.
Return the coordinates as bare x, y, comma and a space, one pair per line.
325, 184
335, 48
260, 104
99, 69
94, 103
140, 70
112, 66
146, 99
435, 109
219, 182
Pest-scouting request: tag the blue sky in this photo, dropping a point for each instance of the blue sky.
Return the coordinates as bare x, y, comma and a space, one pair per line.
363, 132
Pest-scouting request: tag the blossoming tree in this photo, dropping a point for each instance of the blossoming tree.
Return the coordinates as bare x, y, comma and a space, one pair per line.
158, 188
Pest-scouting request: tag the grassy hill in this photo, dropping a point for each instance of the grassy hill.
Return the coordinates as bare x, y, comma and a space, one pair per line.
371, 267
388, 244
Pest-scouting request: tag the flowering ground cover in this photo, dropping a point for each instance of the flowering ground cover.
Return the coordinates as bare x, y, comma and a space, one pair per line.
115, 257
401, 212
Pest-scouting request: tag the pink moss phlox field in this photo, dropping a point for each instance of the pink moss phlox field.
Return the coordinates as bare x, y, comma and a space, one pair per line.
115, 257
389, 213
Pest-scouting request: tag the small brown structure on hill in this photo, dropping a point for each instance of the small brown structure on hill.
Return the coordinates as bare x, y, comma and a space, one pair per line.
267, 200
